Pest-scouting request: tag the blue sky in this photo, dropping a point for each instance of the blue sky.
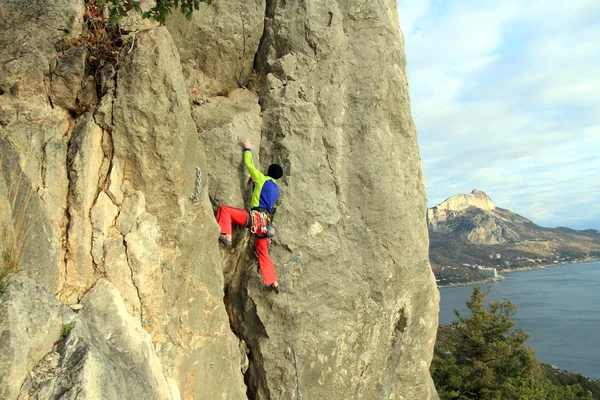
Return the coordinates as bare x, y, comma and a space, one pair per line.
506, 99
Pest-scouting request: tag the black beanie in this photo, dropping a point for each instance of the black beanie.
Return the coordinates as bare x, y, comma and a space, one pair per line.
275, 171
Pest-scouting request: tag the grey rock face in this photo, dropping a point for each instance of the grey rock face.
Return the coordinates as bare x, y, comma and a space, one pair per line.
224, 122
67, 78
230, 33
35, 130
330, 104
84, 159
171, 244
103, 217
26, 225
106, 355
30, 31
32, 319
336, 115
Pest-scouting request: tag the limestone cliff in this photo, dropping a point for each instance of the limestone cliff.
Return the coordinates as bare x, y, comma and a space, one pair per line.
460, 202
473, 216
110, 174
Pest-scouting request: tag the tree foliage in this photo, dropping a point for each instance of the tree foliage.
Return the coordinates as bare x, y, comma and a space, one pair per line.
481, 356
119, 9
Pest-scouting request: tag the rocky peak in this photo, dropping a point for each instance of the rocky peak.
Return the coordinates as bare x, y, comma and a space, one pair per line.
474, 217
459, 202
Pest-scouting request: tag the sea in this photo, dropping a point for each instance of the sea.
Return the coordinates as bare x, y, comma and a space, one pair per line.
558, 306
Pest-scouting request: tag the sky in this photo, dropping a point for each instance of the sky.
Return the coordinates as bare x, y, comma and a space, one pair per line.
506, 99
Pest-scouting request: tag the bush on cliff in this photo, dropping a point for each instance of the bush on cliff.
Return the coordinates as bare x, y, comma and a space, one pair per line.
482, 357
119, 9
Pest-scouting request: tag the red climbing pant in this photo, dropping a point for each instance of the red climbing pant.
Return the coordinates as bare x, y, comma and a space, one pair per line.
228, 215
267, 269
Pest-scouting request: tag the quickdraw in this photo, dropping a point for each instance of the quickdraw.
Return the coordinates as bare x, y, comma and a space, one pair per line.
260, 221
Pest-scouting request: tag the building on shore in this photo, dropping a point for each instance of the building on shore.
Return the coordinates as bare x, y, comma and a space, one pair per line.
488, 272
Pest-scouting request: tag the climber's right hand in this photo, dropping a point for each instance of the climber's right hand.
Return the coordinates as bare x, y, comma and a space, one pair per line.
246, 143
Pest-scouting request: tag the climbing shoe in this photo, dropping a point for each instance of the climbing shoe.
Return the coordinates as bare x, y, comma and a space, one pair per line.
275, 288
223, 239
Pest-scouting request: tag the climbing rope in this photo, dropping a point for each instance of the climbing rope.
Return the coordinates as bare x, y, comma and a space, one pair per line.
291, 260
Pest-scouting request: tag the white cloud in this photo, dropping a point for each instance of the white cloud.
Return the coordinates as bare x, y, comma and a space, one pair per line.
505, 98
411, 13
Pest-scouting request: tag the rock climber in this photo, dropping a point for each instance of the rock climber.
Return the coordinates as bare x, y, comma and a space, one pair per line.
258, 219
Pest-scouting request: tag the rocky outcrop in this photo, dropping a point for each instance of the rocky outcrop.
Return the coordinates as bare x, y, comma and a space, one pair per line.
127, 187
475, 218
229, 33
67, 78
468, 230
455, 206
32, 320
171, 242
34, 134
106, 354
347, 215
461, 202
84, 159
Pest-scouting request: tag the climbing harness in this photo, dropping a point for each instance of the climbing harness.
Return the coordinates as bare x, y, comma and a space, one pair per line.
291, 260
259, 223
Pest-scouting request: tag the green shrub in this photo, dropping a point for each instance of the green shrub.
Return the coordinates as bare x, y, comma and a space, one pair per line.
119, 9
66, 329
482, 357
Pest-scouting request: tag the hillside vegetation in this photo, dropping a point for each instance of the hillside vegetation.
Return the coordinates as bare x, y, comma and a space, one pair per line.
481, 356
467, 231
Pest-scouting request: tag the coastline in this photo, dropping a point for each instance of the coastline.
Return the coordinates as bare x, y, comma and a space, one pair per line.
520, 269
552, 302
559, 264
472, 283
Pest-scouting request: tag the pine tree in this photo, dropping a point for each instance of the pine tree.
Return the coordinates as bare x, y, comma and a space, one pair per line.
481, 356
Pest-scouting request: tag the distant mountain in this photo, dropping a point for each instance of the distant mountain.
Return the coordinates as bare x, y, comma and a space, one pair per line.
469, 230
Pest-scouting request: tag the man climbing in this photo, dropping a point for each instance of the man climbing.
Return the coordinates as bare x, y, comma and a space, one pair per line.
264, 197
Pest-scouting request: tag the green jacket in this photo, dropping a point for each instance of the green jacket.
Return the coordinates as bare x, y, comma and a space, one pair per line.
266, 190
